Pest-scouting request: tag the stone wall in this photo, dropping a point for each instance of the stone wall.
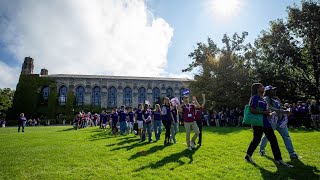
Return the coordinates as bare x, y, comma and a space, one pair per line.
120, 84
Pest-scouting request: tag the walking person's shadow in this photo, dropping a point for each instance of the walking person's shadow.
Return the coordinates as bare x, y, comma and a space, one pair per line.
299, 171
173, 158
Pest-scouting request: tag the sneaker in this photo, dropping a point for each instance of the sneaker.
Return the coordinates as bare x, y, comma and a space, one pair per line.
189, 148
262, 152
248, 159
281, 162
192, 144
294, 156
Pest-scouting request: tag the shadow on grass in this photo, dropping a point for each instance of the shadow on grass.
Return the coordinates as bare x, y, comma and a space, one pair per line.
131, 146
224, 130
69, 129
123, 141
152, 150
299, 171
100, 135
173, 158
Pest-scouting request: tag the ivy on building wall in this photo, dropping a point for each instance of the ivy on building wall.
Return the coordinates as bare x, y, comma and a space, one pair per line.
28, 97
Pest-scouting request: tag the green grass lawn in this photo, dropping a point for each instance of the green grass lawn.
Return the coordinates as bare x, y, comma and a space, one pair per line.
63, 153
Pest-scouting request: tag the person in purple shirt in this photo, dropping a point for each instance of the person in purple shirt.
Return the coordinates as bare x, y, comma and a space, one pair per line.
122, 119
259, 106
147, 122
130, 118
22, 122
114, 118
104, 119
139, 119
157, 126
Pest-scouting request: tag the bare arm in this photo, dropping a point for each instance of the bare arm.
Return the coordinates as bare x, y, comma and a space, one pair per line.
278, 111
204, 101
194, 99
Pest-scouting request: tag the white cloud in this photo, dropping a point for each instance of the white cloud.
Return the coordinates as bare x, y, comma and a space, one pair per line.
8, 76
86, 37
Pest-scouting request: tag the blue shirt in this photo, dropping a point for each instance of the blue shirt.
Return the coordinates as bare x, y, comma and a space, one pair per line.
259, 103
122, 115
131, 115
139, 115
156, 115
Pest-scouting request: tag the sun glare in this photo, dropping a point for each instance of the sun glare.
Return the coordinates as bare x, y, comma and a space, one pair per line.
224, 8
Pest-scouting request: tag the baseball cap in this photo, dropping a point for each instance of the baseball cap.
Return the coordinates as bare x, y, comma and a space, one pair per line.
267, 88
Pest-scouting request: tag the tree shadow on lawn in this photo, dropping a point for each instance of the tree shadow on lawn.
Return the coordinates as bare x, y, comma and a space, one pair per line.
299, 171
173, 158
152, 150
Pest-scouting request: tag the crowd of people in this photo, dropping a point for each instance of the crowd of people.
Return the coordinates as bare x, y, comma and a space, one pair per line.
146, 122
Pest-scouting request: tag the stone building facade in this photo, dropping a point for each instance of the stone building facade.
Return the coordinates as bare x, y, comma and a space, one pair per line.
110, 91
114, 91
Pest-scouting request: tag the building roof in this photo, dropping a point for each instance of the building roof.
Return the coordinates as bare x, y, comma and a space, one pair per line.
114, 77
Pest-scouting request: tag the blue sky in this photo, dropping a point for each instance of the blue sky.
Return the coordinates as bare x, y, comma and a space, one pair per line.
139, 38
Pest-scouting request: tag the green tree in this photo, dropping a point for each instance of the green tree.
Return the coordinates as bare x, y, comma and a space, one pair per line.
277, 61
304, 23
287, 55
6, 97
222, 74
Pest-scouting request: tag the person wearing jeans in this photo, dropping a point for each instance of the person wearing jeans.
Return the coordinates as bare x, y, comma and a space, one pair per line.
188, 111
279, 123
157, 126
175, 124
259, 106
147, 122
122, 120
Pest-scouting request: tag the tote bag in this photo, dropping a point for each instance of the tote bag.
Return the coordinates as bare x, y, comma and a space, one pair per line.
252, 119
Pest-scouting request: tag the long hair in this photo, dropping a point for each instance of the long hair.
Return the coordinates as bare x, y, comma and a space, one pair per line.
157, 108
254, 88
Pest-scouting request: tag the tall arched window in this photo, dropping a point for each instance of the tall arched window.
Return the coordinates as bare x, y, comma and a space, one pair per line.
156, 95
62, 95
96, 96
80, 95
181, 94
127, 96
141, 95
169, 93
45, 93
112, 97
